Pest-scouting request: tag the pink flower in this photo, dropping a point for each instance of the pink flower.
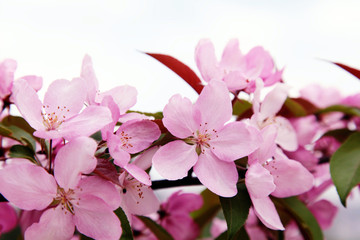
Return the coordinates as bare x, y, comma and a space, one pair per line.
137, 197
238, 71
84, 202
132, 137
175, 215
209, 145
59, 115
278, 176
8, 217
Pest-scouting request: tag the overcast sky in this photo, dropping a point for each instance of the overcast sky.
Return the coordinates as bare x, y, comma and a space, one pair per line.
50, 38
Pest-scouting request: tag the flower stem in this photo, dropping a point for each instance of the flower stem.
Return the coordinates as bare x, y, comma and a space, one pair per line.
188, 181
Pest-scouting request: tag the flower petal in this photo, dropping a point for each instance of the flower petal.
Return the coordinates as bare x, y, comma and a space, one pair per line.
232, 57
183, 203
138, 198
7, 69
138, 173
206, 60
8, 217
259, 181
74, 159
273, 101
265, 210
137, 135
124, 97
219, 176
286, 136
90, 81
85, 123
179, 117
28, 103
174, 160
235, 141
121, 157
65, 98
27, 186
54, 224
290, 177
102, 189
94, 218
214, 105
268, 147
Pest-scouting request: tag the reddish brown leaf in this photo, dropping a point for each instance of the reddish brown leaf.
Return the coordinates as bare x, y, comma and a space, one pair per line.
180, 69
351, 70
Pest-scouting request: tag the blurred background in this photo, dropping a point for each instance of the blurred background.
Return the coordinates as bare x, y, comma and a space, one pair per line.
49, 38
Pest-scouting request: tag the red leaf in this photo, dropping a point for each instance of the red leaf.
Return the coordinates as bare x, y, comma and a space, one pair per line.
351, 70
180, 69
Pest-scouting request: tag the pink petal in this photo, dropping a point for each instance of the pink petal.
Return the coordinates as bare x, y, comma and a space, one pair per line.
137, 135
27, 186
28, 103
138, 198
268, 147
232, 57
214, 105
265, 210
108, 102
258, 56
134, 116
273, 101
179, 117
234, 141
259, 181
144, 161
95, 219
34, 81
235, 80
8, 217
273, 78
324, 212
124, 97
290, 177
85, 123
55, 224
174, 160
206, 60
219, 176
7, 69
90, 81
102, 189
183, 203
188, 229
121, 157
64, 98
138, 173
286, 136
74, 159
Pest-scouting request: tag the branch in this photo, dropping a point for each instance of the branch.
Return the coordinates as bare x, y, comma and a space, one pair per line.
188, 181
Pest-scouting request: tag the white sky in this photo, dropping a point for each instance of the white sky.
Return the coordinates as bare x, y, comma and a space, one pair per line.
49, 38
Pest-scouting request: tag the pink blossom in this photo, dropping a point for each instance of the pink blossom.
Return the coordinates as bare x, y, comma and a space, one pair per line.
209, 145
238, 71
137, 197
8, 217
59, 115
84, 202
132, 137
175, 215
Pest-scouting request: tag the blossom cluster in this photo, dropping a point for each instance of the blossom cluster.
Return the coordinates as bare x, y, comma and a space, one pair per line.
77, 163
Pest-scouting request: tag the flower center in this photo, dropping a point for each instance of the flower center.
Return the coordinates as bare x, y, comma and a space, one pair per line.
124, 137
53, 118
202, 138
67, 199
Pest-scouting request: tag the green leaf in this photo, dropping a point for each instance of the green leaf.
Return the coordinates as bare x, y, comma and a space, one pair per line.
18, 134
155, 228
352, 111
240, 235
236, 210
19, 122
210, 207
125, 225
339, 134
296, 109
240, 107
20, 151
345, 166
305, 220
